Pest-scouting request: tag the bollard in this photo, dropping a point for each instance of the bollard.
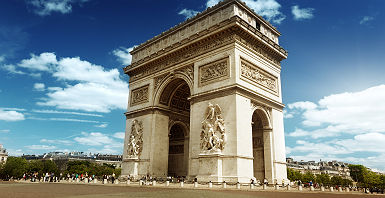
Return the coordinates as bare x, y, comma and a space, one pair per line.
105, 181
140, 182
128, 182
347, 190
167, 183
340, 189
252, 186
238, 185
264, 186
86, 180
116, 181
77, 180
331, 189
181, 184
224, 184
195, 184
322, 188
154, 183
95, 181
276, 187
288, 187
210, 184
311, 188
300, 187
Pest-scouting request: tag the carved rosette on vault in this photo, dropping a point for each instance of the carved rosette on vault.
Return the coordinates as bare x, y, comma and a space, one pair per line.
135, 143
213, 134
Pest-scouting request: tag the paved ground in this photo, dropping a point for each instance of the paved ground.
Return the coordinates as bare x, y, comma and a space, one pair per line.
54, 190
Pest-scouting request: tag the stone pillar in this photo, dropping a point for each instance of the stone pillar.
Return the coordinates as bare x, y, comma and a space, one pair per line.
276, 187
238, 185
331, 189
322, 188
264, 186
95, 181
288, 187
154, 183
347, 189
300, 187
210, 184
167, 183
105, 181
210, 167
252, 186
195, 184
268, 154
339, 189
181, 184
128, 182
224, 184
311, 188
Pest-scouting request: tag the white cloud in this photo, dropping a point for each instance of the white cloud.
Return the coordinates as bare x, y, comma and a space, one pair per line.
14, 152
104, 125
88, 87
11, 109
4, 130
11, 115
72, 120
93, 139
40, 147
266, 8
66, 112
123, 54
2, 58
351, 123
301, 14
351, 112
366, 19
11, 69
119, 135
39, 86
44, 62
65, 142
46, 7
187, 13
287, 115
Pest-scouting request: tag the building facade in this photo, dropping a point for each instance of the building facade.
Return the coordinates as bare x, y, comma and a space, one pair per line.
3, 154
206, 101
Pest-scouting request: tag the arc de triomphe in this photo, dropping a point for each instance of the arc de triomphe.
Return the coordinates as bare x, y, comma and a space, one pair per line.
205, 100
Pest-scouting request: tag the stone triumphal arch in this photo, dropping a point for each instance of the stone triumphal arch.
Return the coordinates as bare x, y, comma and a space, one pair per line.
205, 100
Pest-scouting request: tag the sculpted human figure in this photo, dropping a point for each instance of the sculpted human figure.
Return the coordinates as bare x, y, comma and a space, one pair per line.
213, 135
135, 141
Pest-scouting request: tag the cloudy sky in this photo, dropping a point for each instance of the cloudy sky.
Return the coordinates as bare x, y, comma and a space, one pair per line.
62, 87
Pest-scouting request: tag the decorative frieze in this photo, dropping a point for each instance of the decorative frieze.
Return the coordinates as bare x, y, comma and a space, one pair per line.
135, 142
158, 80
214, 71
188, 71
139, 95
259, 76
213, 134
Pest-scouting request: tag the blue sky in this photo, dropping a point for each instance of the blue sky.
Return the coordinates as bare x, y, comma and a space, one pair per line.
62, 87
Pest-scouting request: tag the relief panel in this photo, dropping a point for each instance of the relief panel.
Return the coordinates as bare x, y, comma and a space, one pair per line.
139, 95
214, 71
259, 76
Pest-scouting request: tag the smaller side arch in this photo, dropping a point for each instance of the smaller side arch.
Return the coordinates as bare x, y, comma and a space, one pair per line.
264, 115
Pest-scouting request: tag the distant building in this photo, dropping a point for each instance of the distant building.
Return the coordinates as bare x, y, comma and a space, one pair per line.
115, 160
3, 154
332, 168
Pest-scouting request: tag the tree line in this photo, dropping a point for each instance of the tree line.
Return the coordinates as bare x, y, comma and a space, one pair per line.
364, 177
16, 167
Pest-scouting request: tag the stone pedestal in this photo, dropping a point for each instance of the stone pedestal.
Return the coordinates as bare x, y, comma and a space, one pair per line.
210, 167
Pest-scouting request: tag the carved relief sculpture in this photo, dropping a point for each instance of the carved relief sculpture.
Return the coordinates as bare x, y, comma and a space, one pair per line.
213, 135
214, 71
259, 76
135, 142
139, 95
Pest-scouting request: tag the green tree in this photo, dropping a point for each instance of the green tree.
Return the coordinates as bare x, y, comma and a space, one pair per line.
358, 172
15, 167
323, 179
336, 180
307, 177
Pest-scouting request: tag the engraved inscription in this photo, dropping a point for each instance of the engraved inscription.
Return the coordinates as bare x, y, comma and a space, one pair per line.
259, 76
214, 71
139, 95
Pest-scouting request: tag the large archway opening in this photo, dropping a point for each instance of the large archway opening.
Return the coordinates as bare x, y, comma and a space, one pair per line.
175, 97
258, 146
